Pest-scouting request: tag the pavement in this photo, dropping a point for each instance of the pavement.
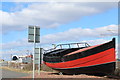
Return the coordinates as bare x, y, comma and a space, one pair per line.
13, 74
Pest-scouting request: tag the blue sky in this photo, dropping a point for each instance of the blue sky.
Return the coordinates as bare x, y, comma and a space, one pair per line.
59, 22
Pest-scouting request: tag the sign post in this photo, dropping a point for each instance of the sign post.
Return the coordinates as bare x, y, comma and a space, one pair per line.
38, 58
34, 37
39, 62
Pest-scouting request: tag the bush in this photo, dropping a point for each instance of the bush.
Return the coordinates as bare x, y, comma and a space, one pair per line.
14, 65
117, 72
28, 67
46, 68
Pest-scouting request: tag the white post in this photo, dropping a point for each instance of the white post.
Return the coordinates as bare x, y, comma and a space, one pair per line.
39, 62
34, 53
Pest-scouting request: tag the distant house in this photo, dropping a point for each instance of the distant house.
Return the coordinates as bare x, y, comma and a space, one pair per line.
23, 59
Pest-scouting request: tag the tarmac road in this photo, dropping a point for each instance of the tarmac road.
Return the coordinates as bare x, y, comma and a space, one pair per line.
12, 74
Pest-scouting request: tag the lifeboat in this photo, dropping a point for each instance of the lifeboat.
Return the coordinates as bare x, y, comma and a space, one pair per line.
82, 59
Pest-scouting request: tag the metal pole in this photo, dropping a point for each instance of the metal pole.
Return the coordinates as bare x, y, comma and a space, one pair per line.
34, 54
39, 62
41, 50
40, 58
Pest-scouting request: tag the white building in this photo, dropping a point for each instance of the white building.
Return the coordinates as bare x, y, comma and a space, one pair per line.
22, 59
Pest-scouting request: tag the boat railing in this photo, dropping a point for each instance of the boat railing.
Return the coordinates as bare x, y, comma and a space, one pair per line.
61, 46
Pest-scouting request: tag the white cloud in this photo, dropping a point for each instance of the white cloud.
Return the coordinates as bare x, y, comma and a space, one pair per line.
16, 44
61, 1
14, 51
76, 34
96, 41
50, 15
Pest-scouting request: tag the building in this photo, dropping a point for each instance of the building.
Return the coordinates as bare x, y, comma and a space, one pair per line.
22, 59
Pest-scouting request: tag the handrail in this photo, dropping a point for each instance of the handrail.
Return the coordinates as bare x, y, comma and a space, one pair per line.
69, 44
86, 45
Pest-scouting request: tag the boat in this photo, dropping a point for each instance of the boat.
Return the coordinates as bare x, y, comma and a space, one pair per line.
85, 59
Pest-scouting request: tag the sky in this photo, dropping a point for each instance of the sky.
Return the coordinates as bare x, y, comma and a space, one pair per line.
60, 22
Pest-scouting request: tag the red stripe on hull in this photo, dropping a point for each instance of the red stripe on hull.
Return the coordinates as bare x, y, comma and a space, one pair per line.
99, 58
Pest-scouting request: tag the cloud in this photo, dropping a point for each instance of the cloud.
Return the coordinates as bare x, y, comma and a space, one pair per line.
96, 41
17, 52
50, 15
16, 44
72, 35
78, 34
61, 1
75, 34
